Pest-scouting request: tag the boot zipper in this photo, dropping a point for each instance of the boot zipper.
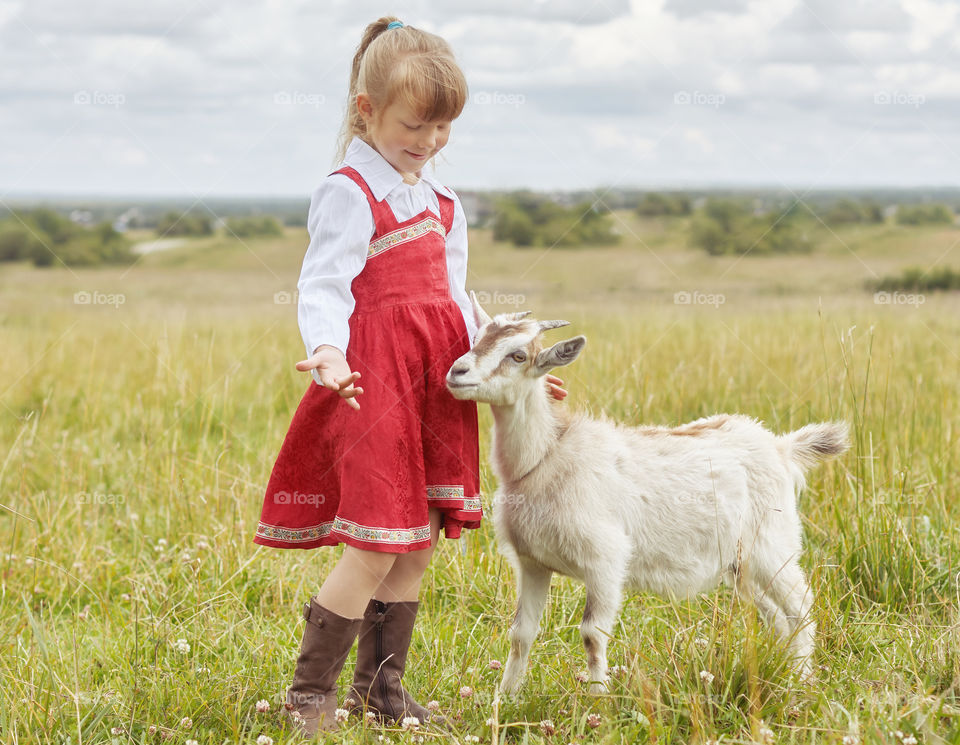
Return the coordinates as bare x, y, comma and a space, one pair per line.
380, 672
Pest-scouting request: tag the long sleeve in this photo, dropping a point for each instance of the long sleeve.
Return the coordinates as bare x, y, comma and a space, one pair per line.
340, 226
457, 266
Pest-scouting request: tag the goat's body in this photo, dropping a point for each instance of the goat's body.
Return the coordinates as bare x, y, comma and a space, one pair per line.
681, 512
670, 511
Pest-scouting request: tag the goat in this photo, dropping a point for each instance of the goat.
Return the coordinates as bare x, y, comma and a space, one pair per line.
668, 510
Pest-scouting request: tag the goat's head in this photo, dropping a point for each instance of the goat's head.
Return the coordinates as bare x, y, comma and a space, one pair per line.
507, 358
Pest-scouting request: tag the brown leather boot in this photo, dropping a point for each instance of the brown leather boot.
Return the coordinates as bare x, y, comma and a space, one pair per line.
312, 697
381, 658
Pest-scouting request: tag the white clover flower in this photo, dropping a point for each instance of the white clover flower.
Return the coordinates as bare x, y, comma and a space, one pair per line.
701, 642
186, 722
263, 705
851, 740
909, 740
182, 646
433, 706
547, 728
766, 734
466, 691
341, 715
191, 742
410, 723
706, 676
264, 740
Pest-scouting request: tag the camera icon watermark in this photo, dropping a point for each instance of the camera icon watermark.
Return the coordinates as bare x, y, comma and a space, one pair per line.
899, 98
696, 297
899, 298
99, 498
299, 98
499, 98
99, 98
699, 98
296, 497
85, 297
500, 298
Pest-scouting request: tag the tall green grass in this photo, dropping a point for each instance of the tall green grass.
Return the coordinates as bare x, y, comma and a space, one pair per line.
139, 439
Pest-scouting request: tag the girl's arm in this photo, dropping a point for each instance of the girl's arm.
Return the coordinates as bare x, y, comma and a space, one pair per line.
340, 227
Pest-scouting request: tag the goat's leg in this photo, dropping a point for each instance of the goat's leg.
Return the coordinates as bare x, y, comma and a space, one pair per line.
533, 586
784, 598
604, 597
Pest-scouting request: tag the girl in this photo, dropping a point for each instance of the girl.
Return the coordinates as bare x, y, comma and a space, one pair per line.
382, 300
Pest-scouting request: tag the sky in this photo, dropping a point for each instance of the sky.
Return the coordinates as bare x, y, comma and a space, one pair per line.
208, 97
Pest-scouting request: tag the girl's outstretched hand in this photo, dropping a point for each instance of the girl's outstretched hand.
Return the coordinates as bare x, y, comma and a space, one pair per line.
553, 387
334, 373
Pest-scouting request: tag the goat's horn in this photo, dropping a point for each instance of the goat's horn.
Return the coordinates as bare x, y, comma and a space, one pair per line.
516, 316
544, 325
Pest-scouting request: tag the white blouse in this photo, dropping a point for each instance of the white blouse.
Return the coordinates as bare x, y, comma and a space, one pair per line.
340, 225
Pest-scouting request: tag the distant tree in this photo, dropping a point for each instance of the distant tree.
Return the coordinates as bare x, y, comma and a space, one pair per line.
654, 204
174, 224
727, 226
528, 219
924, 214
249, 227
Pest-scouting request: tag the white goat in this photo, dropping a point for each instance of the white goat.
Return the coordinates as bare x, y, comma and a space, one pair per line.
672, 511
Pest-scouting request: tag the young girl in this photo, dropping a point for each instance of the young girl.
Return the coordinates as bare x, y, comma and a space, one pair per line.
382, 301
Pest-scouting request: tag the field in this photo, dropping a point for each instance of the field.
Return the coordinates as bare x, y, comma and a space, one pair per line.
141, 418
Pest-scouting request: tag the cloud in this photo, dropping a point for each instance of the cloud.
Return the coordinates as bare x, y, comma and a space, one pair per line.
248, 96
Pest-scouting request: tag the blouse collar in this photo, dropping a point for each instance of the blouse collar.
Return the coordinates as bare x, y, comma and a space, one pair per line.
381, 177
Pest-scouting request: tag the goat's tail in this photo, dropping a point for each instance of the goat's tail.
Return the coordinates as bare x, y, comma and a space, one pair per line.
813, 443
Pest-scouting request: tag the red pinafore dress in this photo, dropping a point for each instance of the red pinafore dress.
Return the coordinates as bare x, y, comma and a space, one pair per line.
367, 478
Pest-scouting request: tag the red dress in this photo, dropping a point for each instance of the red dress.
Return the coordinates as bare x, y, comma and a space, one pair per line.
366, 478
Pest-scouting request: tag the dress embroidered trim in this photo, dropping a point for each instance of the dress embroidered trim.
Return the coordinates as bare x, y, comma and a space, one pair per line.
403, 235
346, 527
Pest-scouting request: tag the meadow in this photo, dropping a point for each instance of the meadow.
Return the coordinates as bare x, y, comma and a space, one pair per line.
142, 408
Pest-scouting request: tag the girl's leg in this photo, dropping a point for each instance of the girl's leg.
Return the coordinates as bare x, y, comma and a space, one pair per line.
402, 582
352, 582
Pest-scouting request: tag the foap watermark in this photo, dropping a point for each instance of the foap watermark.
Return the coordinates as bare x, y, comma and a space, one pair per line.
699, 98
85, 297
285, 297
699, 298
899, 98
899, 298
299, 98
99, 98
501, 498
499, 98
500, 298
296, 497
95, 497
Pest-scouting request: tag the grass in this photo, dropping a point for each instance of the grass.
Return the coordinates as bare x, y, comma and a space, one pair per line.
139, 437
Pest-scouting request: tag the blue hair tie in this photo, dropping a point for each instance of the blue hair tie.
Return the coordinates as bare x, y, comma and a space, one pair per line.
395, 24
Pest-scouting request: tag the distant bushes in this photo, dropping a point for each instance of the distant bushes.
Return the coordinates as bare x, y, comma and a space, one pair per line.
924, 214
847, 211
727, 226
248, 227
528, 219
664, 205
915, 279
45, 238
174, 224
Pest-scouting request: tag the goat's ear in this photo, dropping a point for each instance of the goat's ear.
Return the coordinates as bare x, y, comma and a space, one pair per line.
561, 353
479, 314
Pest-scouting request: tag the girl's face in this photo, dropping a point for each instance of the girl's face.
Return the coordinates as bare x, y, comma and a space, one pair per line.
404, 140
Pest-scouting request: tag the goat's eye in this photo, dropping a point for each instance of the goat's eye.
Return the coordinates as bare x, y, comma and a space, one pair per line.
518, 356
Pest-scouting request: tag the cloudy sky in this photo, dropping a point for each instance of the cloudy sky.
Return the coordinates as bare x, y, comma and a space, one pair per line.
209, 97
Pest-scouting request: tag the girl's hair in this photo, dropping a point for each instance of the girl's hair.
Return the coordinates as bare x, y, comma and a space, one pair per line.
402, 64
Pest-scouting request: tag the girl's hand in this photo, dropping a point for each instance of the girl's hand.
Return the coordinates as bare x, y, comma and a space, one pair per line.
553, 387
334, 373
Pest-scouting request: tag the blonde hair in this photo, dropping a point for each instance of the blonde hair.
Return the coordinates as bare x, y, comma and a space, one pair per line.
402, 64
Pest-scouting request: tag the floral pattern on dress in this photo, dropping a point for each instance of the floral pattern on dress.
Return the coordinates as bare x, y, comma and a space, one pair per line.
403, 235
368, 534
